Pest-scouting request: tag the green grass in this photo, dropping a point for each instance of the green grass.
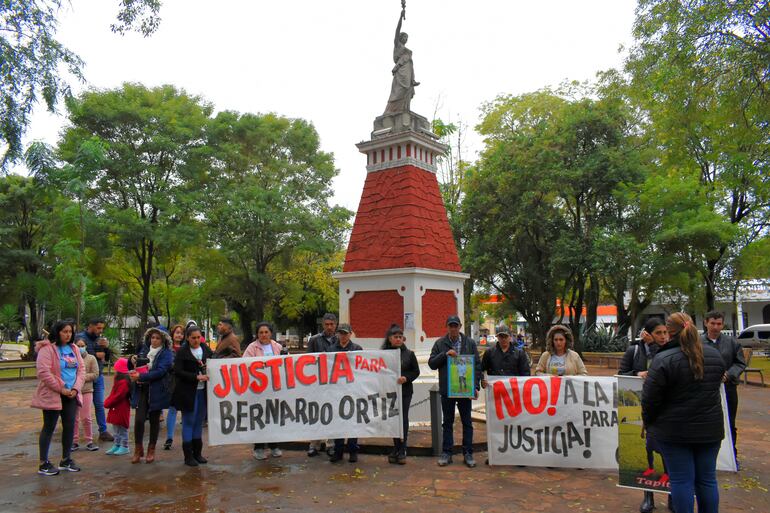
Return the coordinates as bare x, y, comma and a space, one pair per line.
14, 373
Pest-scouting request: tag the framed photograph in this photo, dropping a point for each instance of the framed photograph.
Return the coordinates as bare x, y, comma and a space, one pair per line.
460, 372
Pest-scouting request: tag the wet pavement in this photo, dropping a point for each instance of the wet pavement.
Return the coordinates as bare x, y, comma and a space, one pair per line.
234, 482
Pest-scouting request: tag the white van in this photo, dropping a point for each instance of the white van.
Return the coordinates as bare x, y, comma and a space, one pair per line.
756, 337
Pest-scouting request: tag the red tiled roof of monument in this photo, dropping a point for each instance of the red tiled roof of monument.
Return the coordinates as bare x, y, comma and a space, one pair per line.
401, 222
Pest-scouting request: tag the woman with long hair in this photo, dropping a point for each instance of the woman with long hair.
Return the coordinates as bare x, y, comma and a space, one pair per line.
151, 375
177, 338
190, 394
558, 358
682, 411
60, 377
410, 370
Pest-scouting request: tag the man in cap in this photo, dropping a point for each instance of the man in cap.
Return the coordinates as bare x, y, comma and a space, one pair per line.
504, 359
344, 332
450, 345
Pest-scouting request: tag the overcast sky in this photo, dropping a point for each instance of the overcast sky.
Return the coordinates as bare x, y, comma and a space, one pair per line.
329, 61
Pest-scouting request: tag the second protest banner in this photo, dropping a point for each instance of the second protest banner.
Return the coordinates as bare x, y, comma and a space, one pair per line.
552, 421
304, 397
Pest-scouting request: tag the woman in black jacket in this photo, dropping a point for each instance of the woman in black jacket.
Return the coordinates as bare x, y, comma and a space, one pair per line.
190, 394
410, 370
682, 410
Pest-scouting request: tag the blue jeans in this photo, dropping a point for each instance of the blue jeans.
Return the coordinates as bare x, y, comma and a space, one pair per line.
448, 411
692, 470
121, 435
170, 423
101, 419
192, 421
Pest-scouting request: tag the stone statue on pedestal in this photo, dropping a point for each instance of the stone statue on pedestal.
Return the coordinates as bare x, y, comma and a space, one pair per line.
402, 88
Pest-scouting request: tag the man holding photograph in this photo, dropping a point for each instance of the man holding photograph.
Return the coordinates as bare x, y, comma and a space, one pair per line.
452, 344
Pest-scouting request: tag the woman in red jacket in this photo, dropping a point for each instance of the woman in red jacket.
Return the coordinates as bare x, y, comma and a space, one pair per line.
60, 377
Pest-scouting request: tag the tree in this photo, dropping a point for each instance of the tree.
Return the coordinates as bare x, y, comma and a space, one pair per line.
146, 191
555, 160
511, 243
699, 69
26, 216
36, 65
271, 188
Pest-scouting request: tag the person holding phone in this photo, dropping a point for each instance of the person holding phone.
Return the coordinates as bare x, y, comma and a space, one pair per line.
189, 395
152, 389
98, 346
60, 377
638, 357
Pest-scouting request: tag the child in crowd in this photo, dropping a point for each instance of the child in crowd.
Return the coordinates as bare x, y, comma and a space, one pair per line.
84, 411
119, 405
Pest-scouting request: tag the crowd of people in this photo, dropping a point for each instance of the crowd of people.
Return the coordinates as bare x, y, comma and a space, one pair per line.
683, 373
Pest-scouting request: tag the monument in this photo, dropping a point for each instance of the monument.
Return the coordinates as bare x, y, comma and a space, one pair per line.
401, 264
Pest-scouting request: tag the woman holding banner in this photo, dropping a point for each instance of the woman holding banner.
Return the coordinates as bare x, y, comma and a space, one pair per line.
150, 373
410, 370
264, 346
559, 359
190, 394
682, 410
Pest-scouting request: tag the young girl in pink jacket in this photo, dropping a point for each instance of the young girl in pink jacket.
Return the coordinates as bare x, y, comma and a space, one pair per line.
60, 378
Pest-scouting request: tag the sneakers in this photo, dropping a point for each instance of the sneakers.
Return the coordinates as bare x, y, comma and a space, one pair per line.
276, 452
121, 451
648, 472
312, 452
92, 447
46, 469
664, 478
105, 436
68, 465
445, 459
259, 454
469, 461
168, 444
330, 450
75, 447
393, 457
112, 450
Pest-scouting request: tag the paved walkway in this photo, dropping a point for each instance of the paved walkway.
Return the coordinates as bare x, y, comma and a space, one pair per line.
234, 482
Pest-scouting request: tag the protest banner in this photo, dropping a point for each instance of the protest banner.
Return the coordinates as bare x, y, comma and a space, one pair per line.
552, 421
304, 397
635, 452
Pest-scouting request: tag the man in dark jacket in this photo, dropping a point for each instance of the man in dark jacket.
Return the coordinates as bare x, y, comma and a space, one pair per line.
452, 344
732, 354
504, 359
98, 346
323, 343
344, 343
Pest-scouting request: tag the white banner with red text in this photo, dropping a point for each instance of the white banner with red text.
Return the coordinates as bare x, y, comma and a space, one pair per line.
552, 421
304, 397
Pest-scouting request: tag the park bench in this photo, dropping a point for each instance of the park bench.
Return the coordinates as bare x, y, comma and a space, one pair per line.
747, 354
20, 366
